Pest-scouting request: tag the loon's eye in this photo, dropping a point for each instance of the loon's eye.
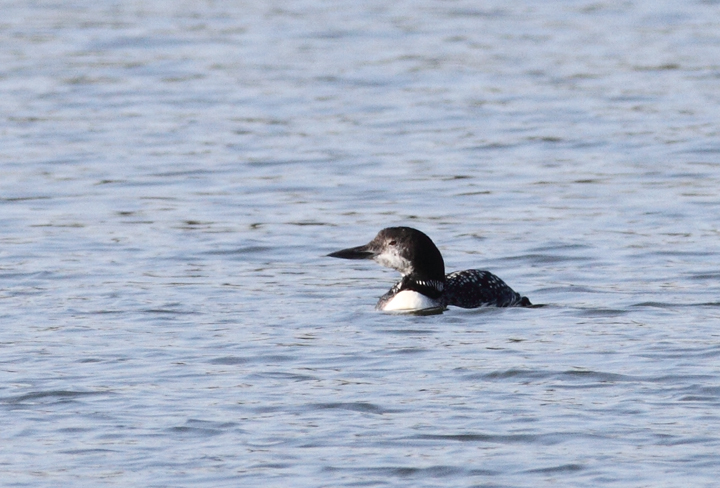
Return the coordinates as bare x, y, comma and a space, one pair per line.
392, 243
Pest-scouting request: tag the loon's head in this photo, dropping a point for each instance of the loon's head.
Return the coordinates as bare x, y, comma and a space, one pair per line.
404, 249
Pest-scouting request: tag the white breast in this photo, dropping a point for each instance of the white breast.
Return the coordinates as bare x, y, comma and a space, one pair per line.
408, 301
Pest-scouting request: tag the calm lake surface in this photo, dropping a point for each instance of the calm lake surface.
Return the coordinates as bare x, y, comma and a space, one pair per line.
172, 175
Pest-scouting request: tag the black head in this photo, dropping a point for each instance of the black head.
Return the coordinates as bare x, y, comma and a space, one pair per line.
402, 248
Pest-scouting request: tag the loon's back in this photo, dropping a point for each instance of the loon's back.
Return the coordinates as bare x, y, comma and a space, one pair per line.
474, 288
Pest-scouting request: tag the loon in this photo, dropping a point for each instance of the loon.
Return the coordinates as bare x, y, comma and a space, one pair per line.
424, 285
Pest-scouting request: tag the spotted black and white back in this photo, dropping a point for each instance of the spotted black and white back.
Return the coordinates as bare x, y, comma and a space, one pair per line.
474, 288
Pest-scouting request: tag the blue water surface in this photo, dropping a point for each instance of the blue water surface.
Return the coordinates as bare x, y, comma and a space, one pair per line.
172, 175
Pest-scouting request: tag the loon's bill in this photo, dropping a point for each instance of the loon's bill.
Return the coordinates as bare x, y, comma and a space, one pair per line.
424, 285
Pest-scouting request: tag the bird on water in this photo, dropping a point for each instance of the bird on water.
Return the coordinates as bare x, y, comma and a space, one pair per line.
424, 285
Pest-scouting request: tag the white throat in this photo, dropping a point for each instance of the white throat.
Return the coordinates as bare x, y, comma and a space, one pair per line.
390, 258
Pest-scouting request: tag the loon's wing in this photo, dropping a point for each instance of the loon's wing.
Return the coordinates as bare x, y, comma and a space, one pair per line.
474, 288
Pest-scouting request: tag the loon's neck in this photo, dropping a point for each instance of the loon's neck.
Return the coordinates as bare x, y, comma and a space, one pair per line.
431, 287
413, 293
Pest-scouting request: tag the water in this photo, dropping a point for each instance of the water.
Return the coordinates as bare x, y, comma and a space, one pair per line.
173, 174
